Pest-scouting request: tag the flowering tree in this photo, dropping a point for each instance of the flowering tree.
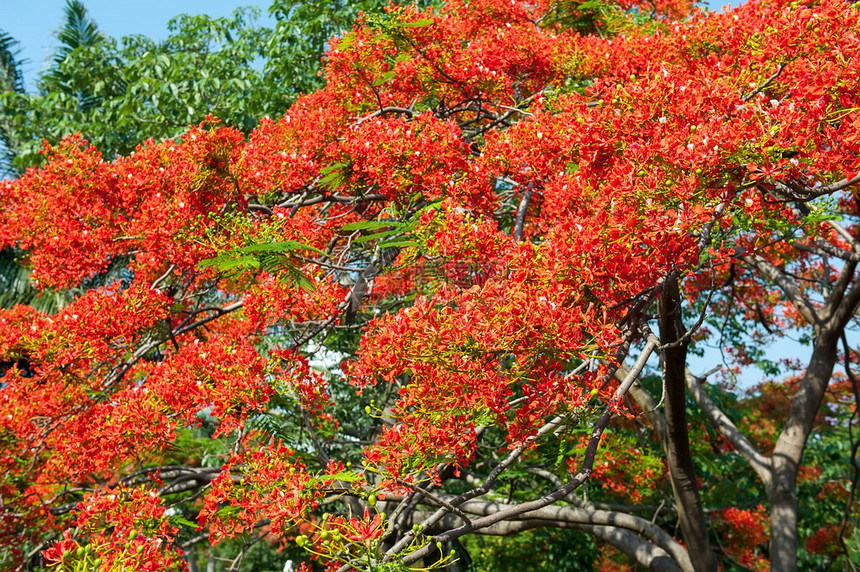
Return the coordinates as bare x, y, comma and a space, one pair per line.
423, 302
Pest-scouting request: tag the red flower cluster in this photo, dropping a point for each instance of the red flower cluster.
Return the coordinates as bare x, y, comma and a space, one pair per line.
123, 529
745, 531
272, 486
539, 185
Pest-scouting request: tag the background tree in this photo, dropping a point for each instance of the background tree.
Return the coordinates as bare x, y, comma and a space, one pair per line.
119, 93
487, 223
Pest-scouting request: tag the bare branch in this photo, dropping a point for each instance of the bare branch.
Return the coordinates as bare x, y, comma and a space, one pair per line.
521, 214
437, 499
790, 288
764, 84
558, 515
727, 428
384, 111
584, 473
641, 396
813, 192
841, 231
637, 368
839, 298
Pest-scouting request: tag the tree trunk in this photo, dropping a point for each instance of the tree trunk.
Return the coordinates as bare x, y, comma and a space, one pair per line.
789, 450
676, 443
829, 322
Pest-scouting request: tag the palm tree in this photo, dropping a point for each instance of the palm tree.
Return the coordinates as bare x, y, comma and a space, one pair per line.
11, 86
79, 32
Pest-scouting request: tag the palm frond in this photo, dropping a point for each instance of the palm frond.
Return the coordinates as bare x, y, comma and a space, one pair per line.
78, 31
272, 427
15, 286
11, 88
11, 78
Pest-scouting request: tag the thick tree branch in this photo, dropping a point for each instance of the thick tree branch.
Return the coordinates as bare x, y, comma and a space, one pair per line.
569, 515
847, 307
584, 473
643, 551
792, 440
521, 214
815, 192
837, 290
846, 236
633, 374
759, 462
790, 288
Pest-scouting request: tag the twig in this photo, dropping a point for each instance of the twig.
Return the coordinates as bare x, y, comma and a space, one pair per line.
764, 85
442, 502
383, 111
162, 277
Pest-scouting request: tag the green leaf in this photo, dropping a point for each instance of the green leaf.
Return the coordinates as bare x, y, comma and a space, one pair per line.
370, 224
287, 246
590, 5
333, 179
417, 24
345, 42
181, 520
332, 168
229, 262
377, 235
397, 244
384, 78
347, 476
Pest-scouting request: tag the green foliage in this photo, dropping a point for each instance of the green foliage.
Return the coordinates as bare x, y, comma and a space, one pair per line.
380, 229
542, 550
78, 32
10, 72
298, 40
118, 94
272, 257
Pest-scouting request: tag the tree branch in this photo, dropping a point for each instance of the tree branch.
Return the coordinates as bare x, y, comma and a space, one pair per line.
764, 84
727, 428
521, 214
569, 515
791, 290
679, 458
